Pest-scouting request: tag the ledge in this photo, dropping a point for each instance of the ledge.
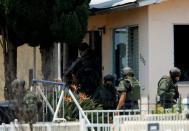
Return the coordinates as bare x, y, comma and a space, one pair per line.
183, 84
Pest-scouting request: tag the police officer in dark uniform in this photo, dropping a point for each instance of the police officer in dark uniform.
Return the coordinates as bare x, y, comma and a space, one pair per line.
106, 94
168, 88
129, 90
87, 70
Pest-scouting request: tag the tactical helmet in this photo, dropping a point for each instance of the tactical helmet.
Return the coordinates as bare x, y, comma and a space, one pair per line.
83, 46
17, 82
128, 71
175, 72
109, 77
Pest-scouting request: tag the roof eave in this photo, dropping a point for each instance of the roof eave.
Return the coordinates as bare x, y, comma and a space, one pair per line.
127, 6
116, 8
148, 2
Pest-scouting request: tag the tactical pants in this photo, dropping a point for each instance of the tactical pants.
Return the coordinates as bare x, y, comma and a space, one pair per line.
167, 103
131, 105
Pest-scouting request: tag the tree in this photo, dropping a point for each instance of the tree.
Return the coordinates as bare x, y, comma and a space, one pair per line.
31, 21
70, 20
43, 22
40, 22
9, 44
2, 13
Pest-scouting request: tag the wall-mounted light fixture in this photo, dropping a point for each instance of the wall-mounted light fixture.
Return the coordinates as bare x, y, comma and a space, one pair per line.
102, 29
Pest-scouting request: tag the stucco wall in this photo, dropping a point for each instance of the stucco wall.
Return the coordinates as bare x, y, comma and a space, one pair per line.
1, 74
121, 19
25, 62
162, 17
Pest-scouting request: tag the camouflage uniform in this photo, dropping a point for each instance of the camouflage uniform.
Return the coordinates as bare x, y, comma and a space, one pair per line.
18, 91
132, 88
167, 91
31, 106
25, 104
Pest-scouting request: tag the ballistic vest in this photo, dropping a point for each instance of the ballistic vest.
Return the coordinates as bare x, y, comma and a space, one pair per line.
134, 93
166, 88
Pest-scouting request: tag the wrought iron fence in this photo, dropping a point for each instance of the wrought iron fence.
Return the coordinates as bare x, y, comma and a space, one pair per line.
114, 120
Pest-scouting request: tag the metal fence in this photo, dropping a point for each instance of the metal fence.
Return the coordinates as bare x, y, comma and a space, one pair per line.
158, 122
103, 120
111, 120
132, 120
180, 125
14, 126
51, 95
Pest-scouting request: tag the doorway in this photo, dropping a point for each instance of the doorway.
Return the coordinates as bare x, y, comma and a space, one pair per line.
95, 41
181, 40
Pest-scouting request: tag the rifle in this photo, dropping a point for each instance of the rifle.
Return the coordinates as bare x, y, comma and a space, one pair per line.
71, 67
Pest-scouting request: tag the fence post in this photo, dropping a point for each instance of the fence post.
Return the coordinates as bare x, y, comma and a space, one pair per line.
58, 106
3, 126
180, 105
49, 126
156, 104
82, 122
144, 105
116, 123
81, 110
12, 126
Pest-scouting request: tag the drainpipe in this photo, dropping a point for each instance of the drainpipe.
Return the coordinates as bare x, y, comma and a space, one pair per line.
59, 62
65, 57
34, 62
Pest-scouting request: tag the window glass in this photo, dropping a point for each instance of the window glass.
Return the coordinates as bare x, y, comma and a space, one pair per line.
125, 50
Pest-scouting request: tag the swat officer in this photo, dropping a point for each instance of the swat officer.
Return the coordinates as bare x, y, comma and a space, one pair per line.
106, 94
129, 90
31, 106
168, 88
18, 91
86, 70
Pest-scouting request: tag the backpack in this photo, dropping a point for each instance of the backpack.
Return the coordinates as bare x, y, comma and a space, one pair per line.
133, 90
167, 88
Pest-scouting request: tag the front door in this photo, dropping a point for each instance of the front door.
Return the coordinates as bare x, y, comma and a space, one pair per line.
95, 42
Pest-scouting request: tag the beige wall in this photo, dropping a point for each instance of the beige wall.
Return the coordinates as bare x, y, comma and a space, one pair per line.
121, 19
162, 17
1, 74
25, 62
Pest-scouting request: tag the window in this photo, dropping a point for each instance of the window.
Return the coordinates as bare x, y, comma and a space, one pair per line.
125, 50
180, 50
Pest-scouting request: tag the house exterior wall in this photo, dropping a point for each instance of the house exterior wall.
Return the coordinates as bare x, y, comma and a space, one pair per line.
24, 63
114, 20
156, 38
162, 18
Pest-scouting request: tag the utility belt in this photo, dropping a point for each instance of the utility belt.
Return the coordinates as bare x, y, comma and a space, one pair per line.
166, 103
131, 101
130, 104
